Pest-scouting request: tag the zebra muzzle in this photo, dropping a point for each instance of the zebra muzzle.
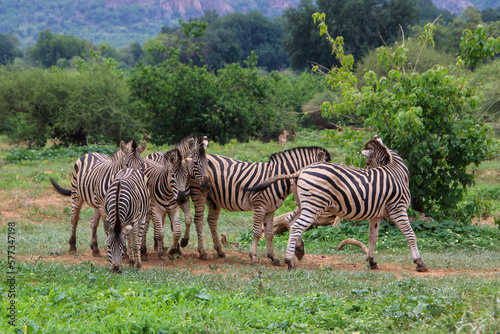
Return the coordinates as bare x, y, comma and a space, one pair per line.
181, 197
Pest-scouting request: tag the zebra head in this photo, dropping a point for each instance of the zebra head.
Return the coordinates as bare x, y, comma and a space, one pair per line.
113, 227
176, 168
376, 153
194, 147
131, 154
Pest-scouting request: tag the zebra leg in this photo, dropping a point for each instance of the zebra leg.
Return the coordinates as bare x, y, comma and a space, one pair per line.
199, 200
213, 220
306, 219
373, 238
76, 206
258, 221
400, 217
268, 230
188, 219
94, 224
144, 249
290, 220
159, 235
175, 224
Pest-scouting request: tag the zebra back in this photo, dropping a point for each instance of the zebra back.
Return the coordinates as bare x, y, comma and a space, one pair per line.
230, 176
94, 172
126, 204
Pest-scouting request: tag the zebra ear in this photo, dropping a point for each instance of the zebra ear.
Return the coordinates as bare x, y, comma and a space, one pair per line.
124, 147
366, 153
321, 156
142, 147
205, 142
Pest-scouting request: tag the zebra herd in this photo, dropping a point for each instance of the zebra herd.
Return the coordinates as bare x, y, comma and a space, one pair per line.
128, 191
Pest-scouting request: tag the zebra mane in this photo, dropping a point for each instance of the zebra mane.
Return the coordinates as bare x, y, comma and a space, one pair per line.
192, 143
274, 158
375, 145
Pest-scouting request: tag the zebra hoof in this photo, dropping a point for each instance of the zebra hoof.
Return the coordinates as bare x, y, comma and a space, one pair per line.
96, 253
277, 263
203, 256
184, 242
373, 265
421, 267
299, 253
222, 255
72, 251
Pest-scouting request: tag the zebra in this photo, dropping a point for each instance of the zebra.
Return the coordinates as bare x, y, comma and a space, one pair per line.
228, 178
167, 187
352, 193
92, 175
194, 147
126, 205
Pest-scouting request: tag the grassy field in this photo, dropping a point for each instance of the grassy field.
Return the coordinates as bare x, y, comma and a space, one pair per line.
46, 290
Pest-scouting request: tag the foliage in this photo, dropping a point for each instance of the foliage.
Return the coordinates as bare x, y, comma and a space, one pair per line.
425, 117
17, 155
50, 48
381, 21
183, 98
9, 48
90, 105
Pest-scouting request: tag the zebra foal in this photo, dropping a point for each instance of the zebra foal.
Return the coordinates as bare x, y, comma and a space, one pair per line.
92, 175
229, 177
126, 205
352, 193
191, 147
167, 186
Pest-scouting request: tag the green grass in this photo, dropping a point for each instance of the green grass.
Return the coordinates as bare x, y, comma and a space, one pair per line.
461, 294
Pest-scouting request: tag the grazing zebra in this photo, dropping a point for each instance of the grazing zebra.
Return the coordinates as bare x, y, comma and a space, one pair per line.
228, 178
167, 187
352, 193
92, 175
193, 147
126, 205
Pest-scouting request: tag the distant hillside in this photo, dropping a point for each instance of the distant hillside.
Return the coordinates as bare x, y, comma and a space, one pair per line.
116, 21
457, 6
120, 22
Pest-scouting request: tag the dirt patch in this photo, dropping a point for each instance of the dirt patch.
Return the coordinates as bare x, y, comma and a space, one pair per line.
189, 261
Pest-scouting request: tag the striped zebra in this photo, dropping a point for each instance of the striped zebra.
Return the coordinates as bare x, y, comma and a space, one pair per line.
228, 178
167, 187
193, 147
352, 193
92, 175
126, 206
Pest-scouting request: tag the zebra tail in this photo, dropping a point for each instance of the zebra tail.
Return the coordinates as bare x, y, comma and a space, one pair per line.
353, 242
271, 180
59, 189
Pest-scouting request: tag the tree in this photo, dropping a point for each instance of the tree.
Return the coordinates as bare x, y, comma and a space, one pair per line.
9, 48
90, 105
425, 117
364, 24
50, 48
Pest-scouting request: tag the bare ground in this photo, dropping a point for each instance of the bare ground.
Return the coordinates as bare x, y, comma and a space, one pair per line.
16, 204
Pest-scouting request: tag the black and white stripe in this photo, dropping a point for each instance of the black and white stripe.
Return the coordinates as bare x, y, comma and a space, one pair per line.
92, 175
192, 147
352, 193
126, 206
228, 178
167, 186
